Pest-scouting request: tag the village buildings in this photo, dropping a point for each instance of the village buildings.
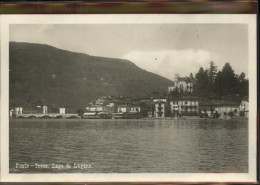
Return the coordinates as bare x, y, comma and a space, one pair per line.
133, 108
100, 108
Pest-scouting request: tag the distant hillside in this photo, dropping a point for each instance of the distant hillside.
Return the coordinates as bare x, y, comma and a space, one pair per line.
54, 76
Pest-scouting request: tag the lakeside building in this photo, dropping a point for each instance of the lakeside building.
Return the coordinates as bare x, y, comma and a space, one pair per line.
228, 108
95, 108
147, 108
123, 108
102, 107
11, 113
133, 115
90, 115
27, 109
17, 111
67, 110
186, 106
221, 108
159, 108
132, 111
104, 104
244, 108
136, 111
182, 84
44, 111
111, 107
135, 108
207, 108
50, 109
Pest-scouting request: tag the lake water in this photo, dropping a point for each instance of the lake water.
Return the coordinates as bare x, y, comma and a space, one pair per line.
128, 146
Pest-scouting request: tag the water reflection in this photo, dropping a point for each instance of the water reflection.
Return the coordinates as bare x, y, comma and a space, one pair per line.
127, 146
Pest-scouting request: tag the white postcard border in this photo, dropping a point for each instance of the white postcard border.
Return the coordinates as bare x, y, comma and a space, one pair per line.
6, 20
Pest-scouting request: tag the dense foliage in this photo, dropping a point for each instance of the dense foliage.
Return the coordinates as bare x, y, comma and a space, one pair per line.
224, 84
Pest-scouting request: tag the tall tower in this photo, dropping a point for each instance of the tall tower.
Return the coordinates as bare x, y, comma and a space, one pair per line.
191, 77
176, 77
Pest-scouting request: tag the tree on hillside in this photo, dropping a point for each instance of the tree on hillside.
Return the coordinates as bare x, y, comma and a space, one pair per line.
212, 72
201, 85
225, 82
217, 85
175, 92
155, 94
242, 76
222, 84
243, 85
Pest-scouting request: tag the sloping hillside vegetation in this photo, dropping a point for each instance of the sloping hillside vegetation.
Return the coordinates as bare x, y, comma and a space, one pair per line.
42, 73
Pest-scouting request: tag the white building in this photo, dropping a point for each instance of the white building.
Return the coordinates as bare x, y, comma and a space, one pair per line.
123, 108
227, 109
11, 113
18, 110
50, 109
160, 100
244, 108
62, 110
222, 108
181, 85
45, 109
95, 108
184, 84
159, 108
27, 110
135, 109
184, 106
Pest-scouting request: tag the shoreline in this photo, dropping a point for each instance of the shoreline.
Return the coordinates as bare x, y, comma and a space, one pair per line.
140, 119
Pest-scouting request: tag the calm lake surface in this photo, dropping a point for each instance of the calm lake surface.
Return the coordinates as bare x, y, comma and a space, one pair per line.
128, 146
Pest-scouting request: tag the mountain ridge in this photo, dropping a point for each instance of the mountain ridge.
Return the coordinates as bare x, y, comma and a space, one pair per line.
39, 72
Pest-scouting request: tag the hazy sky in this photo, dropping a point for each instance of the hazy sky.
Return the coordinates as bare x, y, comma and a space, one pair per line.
164, 49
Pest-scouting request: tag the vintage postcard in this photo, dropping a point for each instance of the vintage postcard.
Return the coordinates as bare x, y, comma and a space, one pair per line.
133, 98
